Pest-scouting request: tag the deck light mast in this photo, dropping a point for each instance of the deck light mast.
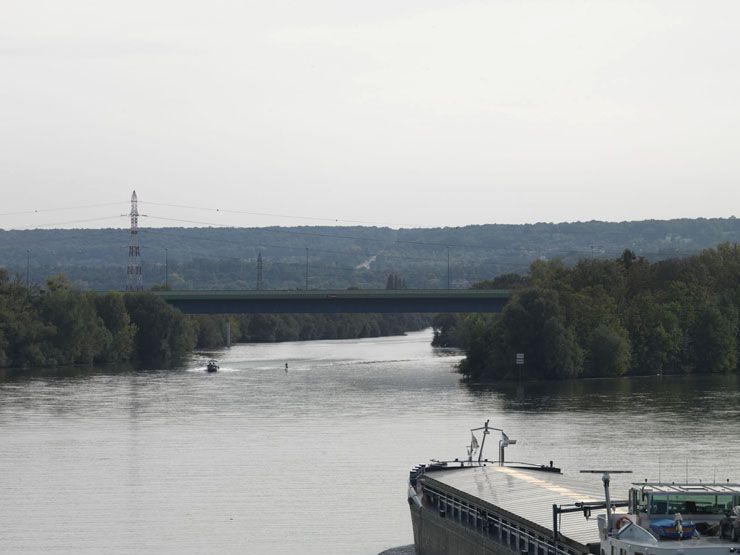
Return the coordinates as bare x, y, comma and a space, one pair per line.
606, 479
503, 443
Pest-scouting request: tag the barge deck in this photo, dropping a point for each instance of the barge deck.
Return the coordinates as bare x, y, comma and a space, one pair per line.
503, 509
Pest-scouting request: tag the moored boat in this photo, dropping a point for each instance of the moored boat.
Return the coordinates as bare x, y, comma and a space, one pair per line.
481, 506
673, 519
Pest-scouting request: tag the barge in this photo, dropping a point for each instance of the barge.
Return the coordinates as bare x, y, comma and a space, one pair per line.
498, 507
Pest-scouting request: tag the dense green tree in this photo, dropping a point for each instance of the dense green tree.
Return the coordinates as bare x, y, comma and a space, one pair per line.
562, 357
79, 333
447, 329
532, 323
486, 349
162, 332
655, 336
609, 352
210, 331
112, 311
263, 328
504, 281
714, 340
22, 332
394, 281
609, 318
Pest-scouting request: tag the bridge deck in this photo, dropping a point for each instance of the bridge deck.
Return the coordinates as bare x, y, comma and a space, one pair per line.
337, 301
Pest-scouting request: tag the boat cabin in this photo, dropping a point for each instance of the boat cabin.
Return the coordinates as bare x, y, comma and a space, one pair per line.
673, 519
703, 504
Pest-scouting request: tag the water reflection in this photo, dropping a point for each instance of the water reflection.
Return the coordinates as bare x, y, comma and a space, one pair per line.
687, 396
63, 372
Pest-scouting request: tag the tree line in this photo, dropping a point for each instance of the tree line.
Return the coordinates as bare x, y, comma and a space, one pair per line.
60, 325
607, 318
268, 328
341, 256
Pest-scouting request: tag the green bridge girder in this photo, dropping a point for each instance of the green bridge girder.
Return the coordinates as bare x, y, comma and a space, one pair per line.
337, 301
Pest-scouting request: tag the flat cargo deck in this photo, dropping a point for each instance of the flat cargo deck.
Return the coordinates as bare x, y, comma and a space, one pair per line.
530, 495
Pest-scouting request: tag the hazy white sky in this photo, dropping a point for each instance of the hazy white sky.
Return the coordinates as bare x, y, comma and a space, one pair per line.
418, 112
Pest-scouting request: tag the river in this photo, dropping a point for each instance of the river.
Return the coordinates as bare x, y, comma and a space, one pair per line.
256, 460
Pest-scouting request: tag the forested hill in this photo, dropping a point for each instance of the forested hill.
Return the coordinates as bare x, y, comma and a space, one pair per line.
340, 257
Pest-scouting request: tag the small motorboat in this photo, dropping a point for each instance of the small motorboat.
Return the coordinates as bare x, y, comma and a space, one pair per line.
212, 366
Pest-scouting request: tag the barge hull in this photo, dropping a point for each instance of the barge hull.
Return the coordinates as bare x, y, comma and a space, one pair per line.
498, 510
434, 535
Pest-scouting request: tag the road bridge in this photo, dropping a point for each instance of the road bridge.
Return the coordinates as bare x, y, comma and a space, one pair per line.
339, 301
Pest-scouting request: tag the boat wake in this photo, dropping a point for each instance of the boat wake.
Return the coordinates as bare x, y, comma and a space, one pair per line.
201, 369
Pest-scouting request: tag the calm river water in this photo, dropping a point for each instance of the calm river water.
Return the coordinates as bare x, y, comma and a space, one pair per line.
254, 460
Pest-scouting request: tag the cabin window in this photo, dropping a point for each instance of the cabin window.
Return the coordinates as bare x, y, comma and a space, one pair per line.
690, 504
612, 553
639, 553
622, 551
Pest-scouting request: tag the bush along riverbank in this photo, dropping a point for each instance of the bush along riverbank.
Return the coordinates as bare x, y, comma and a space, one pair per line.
59, 326
608, 318
267, 328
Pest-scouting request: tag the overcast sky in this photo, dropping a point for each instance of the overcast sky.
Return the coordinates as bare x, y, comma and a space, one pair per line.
418, 112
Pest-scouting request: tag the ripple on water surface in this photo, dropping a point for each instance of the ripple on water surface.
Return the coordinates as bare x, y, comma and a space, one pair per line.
253, 460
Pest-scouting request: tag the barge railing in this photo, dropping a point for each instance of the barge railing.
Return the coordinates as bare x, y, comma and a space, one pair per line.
504, 530
584, 508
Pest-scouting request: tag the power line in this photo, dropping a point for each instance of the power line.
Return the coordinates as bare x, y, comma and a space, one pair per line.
69, 222
275, 215
41, 210
273, 229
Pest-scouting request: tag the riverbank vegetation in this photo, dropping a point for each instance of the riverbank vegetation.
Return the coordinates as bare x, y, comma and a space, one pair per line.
608, 318
59, 325
268, 328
